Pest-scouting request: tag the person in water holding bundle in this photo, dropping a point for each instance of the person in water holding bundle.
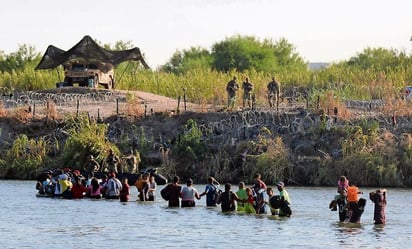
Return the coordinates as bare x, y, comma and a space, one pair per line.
284, 207
142, 185
343, 184
171, 192
378, 197
279, 204
355, 206
356, 211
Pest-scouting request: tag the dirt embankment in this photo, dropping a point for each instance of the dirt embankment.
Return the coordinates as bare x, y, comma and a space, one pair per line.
225, 132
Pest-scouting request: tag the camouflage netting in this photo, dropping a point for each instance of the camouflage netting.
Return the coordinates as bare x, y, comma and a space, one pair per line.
88, 50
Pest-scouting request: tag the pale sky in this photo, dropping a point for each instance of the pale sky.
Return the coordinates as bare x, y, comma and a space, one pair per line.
321, 30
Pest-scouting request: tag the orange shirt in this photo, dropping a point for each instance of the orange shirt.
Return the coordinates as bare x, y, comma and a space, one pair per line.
353, 194
140, 184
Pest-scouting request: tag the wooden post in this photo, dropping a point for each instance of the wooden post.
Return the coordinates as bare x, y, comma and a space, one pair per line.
184, 97
47, 109
178, 105
78, 106
335, 113
34, 109
117, 107
277, 102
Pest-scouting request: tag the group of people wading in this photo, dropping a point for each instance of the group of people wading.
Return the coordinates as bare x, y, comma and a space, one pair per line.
249, 99
258, 199
351, 207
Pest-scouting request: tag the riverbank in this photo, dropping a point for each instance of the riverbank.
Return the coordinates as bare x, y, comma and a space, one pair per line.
298, 145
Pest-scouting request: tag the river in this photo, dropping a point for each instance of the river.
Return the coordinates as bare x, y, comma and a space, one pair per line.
30, 222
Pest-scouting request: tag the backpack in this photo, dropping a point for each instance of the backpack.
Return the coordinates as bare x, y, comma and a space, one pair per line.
165, 193
215, 194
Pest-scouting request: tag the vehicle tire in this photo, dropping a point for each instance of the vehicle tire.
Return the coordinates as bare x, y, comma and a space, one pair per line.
83, 84
69, 81
109, 85
112, 82
96, 81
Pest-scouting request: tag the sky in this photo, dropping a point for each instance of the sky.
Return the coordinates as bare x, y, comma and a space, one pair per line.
320, 30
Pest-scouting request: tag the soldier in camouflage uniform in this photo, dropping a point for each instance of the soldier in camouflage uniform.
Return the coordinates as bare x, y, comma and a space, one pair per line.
273, 92
247, 93
231, 89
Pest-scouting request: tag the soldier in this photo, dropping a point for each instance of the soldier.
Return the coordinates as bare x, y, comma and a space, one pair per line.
112, 161
273, 92
132, 162
91, 165
247, 93
231, 88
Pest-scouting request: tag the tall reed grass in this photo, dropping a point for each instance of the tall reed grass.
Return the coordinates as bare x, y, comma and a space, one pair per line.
208, 86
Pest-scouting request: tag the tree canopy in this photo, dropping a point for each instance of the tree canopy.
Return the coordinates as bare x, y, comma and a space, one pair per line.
239, 53
381, 59
25, 56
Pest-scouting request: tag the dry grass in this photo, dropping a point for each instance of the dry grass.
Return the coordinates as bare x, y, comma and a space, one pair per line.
51, 111
396, 106
21, 114
134, 108
3, 111
329, 102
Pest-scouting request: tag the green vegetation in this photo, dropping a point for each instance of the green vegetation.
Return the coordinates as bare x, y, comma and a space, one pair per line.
372, 74
368, 155
24, 158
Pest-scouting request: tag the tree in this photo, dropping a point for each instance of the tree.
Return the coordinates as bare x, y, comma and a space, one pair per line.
242, 53
183, 61
380, 59
247, 53
286, 55
24, 56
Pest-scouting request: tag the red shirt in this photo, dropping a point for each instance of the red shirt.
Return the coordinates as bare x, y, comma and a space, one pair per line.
125, 192
78, 191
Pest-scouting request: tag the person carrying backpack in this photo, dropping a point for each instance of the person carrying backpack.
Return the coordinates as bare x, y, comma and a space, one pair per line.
113, 187
228, 199
211, 192
261, 200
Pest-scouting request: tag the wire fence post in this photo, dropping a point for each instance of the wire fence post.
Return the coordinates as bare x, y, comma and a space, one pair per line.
178, 105
78, 106
184, 98
98, 115
117, 107
34, 110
